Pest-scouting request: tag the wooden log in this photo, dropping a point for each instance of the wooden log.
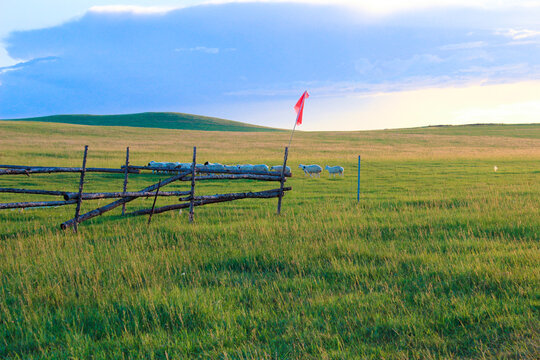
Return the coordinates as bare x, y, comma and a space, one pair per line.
282, 179
32, 191
126, 172
81, 184
212, 199
206, 170
23, 205
235, 177
113, 205
48, 170
156, 168
192, 195
116, 195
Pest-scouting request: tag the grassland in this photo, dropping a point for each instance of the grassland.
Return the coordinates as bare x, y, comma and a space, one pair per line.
160, 120
440, 259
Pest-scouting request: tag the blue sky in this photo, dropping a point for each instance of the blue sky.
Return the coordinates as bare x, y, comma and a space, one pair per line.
367, 64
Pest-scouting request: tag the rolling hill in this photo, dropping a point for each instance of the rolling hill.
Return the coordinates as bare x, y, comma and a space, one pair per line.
161, 120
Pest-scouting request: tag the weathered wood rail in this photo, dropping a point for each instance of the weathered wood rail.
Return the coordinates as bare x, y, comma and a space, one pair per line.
188, 199
27, 170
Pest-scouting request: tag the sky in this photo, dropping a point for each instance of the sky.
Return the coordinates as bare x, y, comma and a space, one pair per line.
367, 64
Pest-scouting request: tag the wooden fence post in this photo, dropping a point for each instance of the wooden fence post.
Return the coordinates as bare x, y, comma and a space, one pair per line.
358, 190
282, 179
154, 204
126, 179
192, 196
81, 184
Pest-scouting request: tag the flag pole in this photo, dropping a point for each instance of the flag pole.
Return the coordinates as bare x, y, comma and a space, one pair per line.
294, 127
298, 114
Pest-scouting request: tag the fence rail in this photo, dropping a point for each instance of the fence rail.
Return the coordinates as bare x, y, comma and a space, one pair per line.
188, 199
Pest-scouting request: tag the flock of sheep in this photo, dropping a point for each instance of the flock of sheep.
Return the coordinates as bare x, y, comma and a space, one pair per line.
310, 170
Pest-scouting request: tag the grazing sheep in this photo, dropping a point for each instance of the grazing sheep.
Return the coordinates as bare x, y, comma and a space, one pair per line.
333, 170
245, 167
311, 169
214, 166
184, 166
156, 164
495, 168
279, 167
260, 167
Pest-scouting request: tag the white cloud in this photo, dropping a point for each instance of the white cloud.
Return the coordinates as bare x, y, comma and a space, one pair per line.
372, 7
202, 49
464, 46
5, 59
518, 34
133, 9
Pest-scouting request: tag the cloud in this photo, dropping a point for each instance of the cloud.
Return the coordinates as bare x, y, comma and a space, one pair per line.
464, 46
132, 9
202, 49
518, 34
372, 7
217, 58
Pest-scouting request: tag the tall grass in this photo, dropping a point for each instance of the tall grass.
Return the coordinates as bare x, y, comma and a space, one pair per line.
439, 259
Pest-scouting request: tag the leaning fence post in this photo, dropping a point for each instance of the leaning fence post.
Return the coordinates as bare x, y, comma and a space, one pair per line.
282, 179
358, 191
126, 172
192, 196
81, 184
154, 204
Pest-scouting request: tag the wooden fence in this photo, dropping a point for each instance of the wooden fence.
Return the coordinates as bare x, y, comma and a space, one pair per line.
188, 199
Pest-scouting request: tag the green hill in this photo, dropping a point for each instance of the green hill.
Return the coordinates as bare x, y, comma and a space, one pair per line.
505, 130
154, 120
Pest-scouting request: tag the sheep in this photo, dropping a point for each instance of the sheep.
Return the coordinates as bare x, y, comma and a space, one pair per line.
214, 167
260, 167
231, 167
156, 164
333, 170
495, 168
245, 167
184, 166
279, 167
311, 169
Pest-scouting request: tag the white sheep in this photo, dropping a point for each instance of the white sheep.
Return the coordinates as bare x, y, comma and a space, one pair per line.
333, 170
156, 164
260, 167
311, 169
279, 167
214, 166
245, 167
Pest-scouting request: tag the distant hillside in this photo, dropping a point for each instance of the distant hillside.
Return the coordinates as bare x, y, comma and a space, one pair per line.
506, 130
154, 120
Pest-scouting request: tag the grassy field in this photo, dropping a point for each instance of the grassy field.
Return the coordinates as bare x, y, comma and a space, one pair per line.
439, 260
158, 120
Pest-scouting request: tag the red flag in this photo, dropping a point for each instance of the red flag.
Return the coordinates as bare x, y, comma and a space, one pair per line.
299, 107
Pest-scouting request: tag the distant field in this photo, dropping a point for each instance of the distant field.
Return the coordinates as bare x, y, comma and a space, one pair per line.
158, 120
439, 260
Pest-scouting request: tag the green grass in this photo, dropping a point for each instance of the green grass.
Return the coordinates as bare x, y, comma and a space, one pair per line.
158, 120
440, 259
